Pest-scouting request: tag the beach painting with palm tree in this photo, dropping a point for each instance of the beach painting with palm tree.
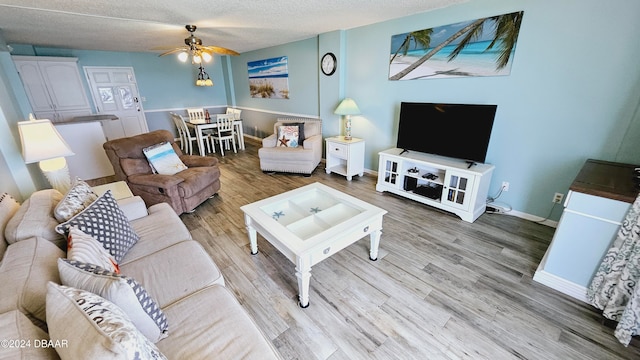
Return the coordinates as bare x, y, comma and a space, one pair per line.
481, 47
269, 78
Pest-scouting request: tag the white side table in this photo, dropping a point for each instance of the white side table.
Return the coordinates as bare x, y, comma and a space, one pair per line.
119, 190
345, 157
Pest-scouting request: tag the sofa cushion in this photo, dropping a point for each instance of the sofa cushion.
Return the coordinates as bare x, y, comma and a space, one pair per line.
27, 267
23, 339
196, 179
163, 159
93, 327
153, 237
84, 248
105, 221
135, 166
121, 290
191, 336
188, 268
8, 207
75, 200
35, 218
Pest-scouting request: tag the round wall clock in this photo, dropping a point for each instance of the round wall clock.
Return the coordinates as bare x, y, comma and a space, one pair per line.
328, 64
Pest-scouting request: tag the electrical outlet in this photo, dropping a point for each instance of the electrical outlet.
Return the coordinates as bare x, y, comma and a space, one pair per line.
557, 198
505, 186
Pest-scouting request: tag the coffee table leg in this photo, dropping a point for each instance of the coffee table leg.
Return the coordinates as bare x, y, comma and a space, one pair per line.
253, 239
375, 243
303, 273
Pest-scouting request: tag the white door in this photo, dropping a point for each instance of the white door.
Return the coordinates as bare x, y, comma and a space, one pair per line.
114, 91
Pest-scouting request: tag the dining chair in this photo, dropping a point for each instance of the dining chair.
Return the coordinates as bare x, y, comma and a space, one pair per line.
179, 128
224, 132
196, 115
236, 116
188, 134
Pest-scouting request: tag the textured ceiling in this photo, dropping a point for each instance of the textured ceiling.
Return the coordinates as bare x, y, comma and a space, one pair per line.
151, 25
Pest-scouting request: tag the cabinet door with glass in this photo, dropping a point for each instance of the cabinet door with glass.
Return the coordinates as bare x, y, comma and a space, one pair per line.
390, 174
458, 189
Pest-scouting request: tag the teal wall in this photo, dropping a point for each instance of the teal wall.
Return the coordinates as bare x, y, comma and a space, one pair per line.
573, 92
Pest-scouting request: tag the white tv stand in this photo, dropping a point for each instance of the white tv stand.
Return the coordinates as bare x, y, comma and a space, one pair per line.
453, 185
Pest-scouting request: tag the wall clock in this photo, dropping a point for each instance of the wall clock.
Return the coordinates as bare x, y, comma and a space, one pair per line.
328, 64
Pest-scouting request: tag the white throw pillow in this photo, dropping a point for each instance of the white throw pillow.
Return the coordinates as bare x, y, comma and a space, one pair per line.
121, 290
163, 159
75, 200
288, 135
84, 248
93, 327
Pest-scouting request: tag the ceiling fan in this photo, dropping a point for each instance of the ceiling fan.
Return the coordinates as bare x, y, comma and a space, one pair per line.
193, 46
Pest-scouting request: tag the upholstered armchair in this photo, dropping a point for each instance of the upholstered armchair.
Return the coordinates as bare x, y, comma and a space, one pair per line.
184, 191
275, 156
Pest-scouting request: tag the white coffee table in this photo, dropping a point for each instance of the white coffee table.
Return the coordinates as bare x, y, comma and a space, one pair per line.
311, 223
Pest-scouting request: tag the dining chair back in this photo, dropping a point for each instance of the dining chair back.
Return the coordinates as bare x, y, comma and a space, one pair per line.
224, 132
196, 115
235, 112
187, 135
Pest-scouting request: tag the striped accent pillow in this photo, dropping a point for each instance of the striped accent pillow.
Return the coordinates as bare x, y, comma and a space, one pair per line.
84, 248
121, 290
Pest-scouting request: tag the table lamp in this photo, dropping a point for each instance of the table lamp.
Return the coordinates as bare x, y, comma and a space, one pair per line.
347, 107
42, 142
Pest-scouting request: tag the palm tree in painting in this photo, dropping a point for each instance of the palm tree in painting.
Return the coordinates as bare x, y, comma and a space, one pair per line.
421, 37
506, 28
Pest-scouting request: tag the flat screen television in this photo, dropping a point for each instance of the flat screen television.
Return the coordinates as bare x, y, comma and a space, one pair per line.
454, 130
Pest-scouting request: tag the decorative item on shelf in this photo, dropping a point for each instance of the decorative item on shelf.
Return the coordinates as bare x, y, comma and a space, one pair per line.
347, 107
207, 116
42, 142
203, 78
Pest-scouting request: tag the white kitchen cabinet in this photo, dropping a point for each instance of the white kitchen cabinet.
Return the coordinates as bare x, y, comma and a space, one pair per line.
596, 205
54, 87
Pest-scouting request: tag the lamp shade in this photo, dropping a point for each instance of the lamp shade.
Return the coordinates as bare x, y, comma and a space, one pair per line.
41, 141
347, 107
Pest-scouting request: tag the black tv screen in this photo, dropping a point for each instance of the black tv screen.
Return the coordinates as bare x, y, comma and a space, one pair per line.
455, 130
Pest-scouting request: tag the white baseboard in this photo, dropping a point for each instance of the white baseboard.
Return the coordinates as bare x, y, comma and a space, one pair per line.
564, 286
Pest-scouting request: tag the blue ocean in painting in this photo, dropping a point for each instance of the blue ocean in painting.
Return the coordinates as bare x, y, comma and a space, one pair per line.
477, 50
268, 68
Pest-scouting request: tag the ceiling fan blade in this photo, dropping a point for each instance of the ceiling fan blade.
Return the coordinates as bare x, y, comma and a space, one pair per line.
219, 50
173, 51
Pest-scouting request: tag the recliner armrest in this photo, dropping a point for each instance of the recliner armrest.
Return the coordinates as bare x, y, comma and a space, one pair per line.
313, 142
270, 141
155, 180
198, 161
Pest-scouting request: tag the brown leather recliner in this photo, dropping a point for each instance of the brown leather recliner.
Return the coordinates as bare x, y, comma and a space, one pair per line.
184, 191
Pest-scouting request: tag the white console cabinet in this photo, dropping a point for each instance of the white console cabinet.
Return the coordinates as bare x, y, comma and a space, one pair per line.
445, 183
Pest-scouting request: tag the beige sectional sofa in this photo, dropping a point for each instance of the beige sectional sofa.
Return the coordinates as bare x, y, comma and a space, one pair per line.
205, 321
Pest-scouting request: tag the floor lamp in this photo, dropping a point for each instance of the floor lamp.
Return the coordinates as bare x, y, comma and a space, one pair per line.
42, 142
347, 107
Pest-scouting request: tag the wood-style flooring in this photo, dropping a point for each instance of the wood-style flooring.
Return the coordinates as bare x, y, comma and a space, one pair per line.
441, 289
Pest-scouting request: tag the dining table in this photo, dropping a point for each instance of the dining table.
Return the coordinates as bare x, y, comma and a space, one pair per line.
199, 127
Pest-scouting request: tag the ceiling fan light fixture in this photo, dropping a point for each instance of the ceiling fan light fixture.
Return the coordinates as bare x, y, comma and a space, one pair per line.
206, 56
183, 56
197, 59
203, 78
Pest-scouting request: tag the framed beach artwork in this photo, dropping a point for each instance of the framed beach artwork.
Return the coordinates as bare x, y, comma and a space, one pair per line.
481, 47
269, 78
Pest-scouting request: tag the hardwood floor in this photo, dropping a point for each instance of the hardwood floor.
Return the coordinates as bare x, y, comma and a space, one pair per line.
441, 288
